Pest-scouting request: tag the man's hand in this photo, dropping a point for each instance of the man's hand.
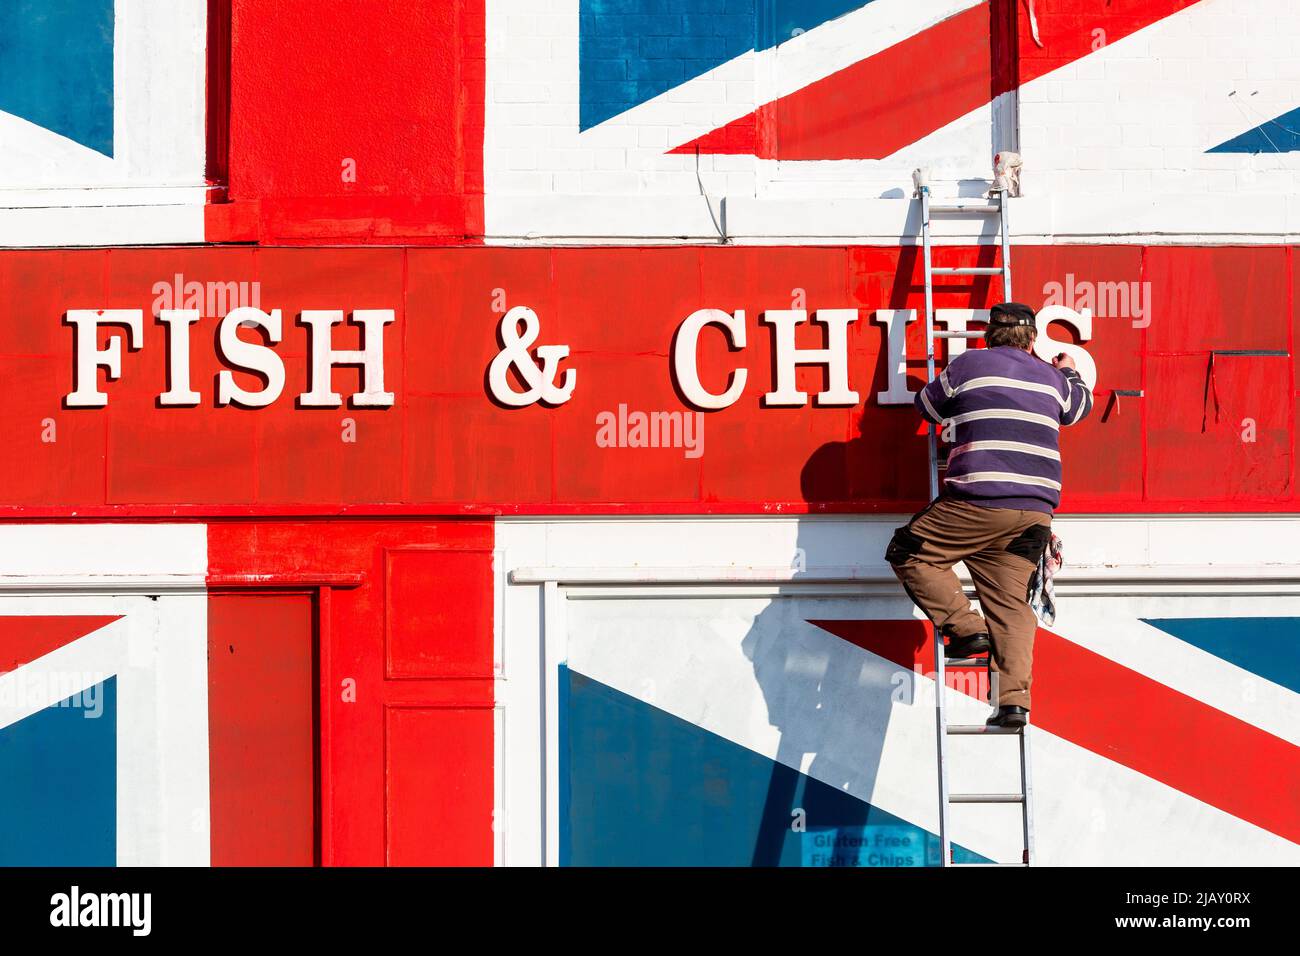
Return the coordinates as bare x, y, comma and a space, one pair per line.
1063, 361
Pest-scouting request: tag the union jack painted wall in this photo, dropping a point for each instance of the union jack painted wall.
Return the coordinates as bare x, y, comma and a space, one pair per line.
423, 624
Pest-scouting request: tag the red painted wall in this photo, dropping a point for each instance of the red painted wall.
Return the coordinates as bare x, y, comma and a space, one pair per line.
391, 88
444, 447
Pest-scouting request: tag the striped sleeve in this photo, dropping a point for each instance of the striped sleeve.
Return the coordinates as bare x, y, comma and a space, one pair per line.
932, 401
1080, 398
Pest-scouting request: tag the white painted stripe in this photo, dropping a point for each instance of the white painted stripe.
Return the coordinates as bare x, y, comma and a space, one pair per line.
1000, 381
925, 400
1020, 446
1007, 414
104, 225
163, 551
977, 476
1084, 405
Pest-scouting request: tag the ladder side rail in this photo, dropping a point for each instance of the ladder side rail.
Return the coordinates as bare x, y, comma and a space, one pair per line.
1003, 206
1027, 788
940, 663
940, 676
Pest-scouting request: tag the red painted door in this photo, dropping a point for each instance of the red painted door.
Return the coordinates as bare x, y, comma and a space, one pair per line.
262, 728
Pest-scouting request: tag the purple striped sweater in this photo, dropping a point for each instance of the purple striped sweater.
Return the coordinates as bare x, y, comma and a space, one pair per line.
1002, 410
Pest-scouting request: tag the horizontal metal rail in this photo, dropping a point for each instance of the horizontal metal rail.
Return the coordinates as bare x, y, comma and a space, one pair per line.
739, 574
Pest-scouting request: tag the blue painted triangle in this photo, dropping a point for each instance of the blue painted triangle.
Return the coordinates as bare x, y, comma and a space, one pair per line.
58, 783
1280, 135
1267, 646
630, 51
640, 787
56, 67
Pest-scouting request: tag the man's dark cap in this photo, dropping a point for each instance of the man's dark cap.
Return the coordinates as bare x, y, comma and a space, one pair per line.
1011, 313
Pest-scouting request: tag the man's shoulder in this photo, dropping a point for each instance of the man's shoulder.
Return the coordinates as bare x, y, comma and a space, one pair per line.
984, 361
1008, 362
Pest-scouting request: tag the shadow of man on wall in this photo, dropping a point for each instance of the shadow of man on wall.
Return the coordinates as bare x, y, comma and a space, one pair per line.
831, 712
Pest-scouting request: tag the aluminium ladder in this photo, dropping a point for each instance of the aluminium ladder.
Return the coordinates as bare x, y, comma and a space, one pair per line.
996, 206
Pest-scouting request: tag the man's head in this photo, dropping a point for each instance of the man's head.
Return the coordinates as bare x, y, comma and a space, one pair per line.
1011, 323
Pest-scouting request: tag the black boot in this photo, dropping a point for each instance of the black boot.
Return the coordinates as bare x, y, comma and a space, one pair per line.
969, 646
1009, 715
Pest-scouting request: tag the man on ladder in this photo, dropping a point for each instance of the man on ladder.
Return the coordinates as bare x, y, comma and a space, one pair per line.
1001, 407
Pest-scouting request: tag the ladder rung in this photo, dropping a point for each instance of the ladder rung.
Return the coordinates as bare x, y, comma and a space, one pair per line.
982, 208
967, 271
958, 335
986, 798
988, 864
966, 662
983, 729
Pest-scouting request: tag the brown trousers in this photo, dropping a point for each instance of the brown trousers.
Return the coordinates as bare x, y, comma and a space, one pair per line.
1001, 548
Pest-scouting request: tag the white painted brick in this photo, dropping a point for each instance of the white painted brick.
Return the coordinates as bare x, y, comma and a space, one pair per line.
609, 135
697, 114
1127, 71
522, 47
516, 182
1171, 181
607, 159
740, 92
610, 181
1089, 91
1096, 181
1219, 181
520, 93
656, 136
567, 183
1169, 44
525, 70
1261, 69
732, 164
671, 162
702, 92
1089, 68
1092, 157
523, 159
563, 160
530, 137
1137, 181
1218, 26
536, 114
740, 184
1277, 182
1146, 157
1136, 135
